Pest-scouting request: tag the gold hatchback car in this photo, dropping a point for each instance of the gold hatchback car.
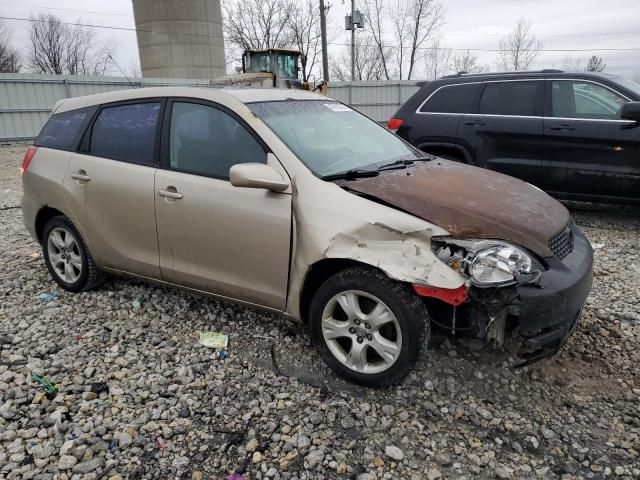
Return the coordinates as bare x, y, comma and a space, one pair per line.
293, 202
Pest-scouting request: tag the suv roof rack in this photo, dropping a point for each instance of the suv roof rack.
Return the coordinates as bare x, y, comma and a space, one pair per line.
467, 74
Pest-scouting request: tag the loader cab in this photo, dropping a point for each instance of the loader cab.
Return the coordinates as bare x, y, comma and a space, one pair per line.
283, 64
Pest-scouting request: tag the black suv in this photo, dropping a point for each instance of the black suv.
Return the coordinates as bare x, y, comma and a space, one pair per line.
575, 135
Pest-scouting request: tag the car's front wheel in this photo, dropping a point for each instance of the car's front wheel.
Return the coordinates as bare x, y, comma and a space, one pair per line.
67, 257
367, 327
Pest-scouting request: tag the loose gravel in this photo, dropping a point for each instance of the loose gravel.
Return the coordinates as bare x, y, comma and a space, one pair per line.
138, 397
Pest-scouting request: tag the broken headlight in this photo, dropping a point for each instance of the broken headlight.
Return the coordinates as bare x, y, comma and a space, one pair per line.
488, 263
498, 265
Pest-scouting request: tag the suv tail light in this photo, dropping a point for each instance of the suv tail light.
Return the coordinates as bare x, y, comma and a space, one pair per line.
394, 124
28, 156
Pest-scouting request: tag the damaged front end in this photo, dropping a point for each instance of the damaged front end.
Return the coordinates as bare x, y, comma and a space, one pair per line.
513, 298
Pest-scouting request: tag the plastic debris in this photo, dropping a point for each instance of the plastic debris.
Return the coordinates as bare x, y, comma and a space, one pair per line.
48, 296
161, 443
597, 246
213, 340
50, 388
222, 355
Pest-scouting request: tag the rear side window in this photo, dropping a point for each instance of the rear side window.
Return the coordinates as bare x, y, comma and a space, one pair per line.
62, 131
126, 132
452, 99
518, 98
207, 141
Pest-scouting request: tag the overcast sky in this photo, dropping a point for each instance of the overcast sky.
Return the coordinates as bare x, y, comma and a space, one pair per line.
475, 24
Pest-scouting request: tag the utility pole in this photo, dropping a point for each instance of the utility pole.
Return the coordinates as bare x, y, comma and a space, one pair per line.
325, 54
353, 41
351, 22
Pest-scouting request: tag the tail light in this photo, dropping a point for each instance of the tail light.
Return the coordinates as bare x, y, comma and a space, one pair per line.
394, 124
28, 156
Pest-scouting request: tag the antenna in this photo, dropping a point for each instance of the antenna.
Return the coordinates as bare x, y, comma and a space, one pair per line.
121, 71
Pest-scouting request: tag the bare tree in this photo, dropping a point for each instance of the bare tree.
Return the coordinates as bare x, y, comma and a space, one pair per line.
368, 62
412, 24
258, 24
304, 26
467, 62
570, 64
596, 64
518, 49
9, 57
437, 60
374, 12
60, 48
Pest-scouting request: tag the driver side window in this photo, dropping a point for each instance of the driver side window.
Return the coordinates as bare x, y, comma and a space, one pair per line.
208, 141
575, 99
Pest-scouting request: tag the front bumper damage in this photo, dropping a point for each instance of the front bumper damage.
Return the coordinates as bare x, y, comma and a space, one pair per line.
549, 312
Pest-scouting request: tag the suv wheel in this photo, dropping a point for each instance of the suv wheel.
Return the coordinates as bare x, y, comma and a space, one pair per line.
368, 328
67, 257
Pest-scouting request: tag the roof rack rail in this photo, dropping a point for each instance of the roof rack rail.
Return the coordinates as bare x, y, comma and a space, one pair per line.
524, 72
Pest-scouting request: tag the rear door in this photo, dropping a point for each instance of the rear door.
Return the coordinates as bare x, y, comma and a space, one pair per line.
213, 236
506, 132
599, 151
110, 186
434, 125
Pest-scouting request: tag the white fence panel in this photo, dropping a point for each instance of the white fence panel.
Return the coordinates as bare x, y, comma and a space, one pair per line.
26, 100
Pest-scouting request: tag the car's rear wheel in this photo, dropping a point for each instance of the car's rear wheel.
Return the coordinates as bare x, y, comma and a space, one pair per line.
67, 257
367, 327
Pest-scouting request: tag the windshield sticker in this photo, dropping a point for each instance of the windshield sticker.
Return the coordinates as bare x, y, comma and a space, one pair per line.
337, 107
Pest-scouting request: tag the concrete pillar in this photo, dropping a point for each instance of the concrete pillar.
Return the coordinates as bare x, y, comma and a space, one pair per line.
180, 38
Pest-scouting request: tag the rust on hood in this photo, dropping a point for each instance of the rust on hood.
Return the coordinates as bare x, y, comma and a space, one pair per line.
471, 202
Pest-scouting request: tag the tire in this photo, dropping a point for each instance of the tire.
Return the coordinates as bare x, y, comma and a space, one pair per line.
341, 340
67, 257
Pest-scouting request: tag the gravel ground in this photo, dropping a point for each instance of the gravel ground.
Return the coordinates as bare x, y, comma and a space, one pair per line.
140, 398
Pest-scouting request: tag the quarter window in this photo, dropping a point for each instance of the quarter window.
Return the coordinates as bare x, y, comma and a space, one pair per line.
207, 141
520, 98
451, 99
63, 130
126, 132
575, 99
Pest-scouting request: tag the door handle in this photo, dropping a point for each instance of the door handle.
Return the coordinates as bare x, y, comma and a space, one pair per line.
474, 122
170, 192
564, 128
81, 176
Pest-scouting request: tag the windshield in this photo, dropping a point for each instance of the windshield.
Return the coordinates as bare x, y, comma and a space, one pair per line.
629, 85
287, 65
330, 137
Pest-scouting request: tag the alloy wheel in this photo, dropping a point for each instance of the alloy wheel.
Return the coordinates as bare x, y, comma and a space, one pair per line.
64, 255
361, 332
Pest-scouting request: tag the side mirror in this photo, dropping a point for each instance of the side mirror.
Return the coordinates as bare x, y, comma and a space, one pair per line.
630, 111
257, 175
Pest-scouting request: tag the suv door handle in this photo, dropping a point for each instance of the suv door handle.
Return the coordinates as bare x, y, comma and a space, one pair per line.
564, 127
81, 176
170, 192
474, 122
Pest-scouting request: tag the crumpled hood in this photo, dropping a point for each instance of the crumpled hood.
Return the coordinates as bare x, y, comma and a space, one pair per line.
471, 202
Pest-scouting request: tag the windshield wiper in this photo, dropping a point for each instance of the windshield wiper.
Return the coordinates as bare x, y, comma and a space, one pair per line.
403, 162
351, 174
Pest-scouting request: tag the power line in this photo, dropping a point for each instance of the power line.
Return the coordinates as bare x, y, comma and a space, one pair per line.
497, 49
130, 29
67, 10
111, 27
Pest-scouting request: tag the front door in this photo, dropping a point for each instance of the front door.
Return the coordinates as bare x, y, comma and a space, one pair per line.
506, 133
213, 236
600, 151
110, 187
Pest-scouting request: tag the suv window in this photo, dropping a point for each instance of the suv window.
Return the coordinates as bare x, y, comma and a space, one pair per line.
452, 99
208, 141
518, 98
576, 99
126, 132
62, 131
